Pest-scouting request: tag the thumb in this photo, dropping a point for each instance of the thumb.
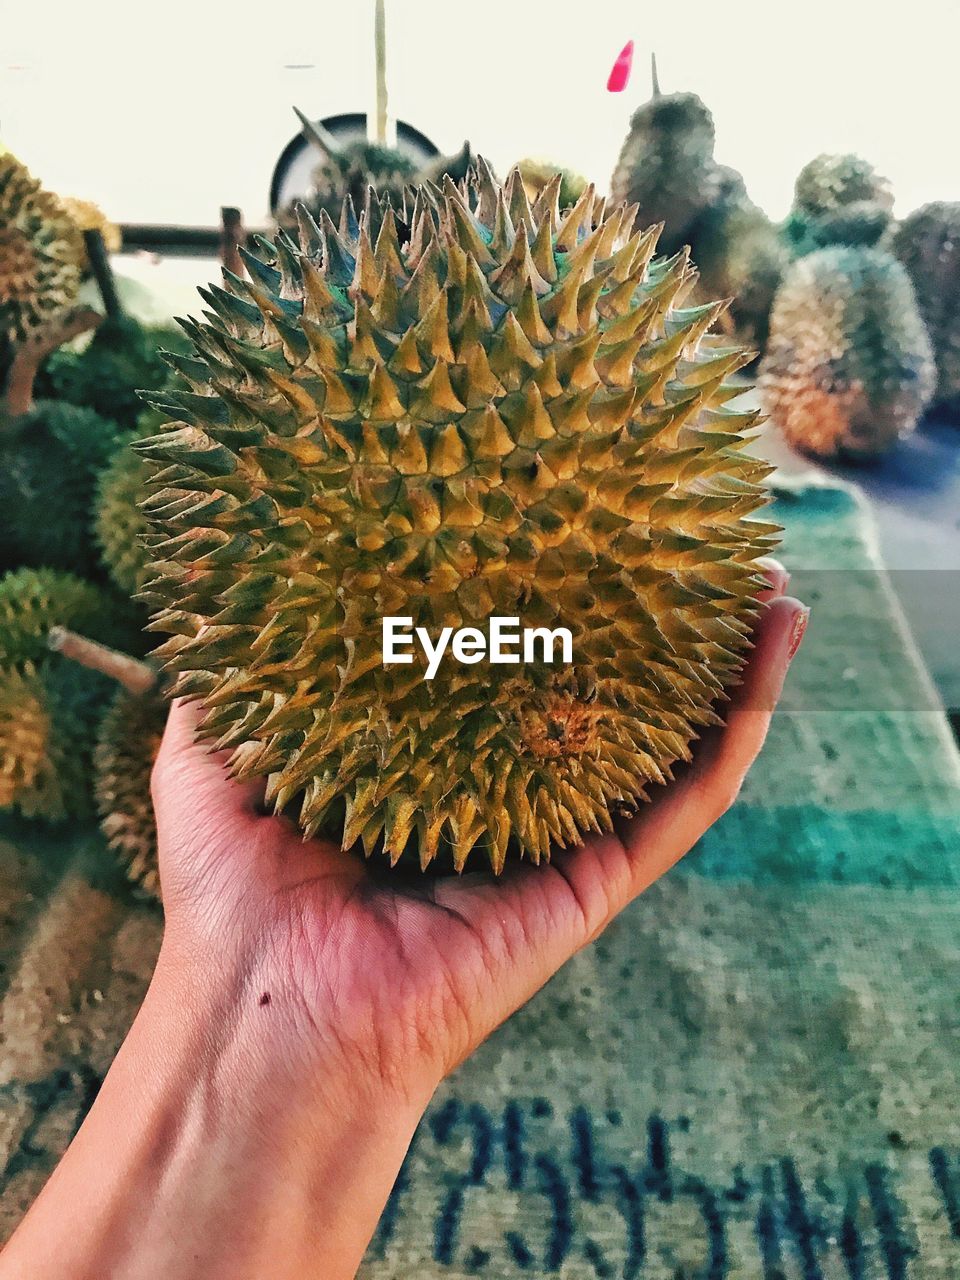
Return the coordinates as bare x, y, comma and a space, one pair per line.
188, 775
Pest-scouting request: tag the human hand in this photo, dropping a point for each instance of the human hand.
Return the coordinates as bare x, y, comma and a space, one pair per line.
398, 978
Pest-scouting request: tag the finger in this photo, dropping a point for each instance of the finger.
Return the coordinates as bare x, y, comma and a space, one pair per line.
187, 773
778, 579
609, 871
660, 835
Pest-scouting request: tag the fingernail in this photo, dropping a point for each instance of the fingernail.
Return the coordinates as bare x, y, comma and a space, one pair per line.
796, 635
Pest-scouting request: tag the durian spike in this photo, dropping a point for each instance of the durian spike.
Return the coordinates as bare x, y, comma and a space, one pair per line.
136, 677
314, 132
655, 79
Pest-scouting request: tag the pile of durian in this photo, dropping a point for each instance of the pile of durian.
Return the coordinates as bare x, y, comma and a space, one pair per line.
69, 524
857, 318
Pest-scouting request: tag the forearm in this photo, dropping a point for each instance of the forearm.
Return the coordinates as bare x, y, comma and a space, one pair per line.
209, 1153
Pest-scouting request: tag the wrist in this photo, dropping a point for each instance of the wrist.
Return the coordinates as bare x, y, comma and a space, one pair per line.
255, 1033
222, 1119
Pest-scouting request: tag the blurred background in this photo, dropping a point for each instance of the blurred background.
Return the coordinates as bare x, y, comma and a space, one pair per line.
187, 107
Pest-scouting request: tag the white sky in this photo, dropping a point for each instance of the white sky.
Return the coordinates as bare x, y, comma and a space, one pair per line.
162, 113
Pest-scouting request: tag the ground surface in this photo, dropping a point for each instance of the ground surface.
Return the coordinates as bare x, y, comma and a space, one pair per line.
914, 496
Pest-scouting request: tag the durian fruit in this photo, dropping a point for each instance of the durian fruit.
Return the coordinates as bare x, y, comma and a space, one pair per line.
666, 166
122, 358
34, 600
848, 368
740, 256
90, 217
49, 461
838, 199
41, 252
24, 731
48, 716
127, 746
511, 415
456, 167
119, 524
50, 707
351, 169
537, 173
347, 171
928, 245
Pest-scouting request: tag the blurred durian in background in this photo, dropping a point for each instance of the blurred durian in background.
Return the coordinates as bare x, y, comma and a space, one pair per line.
848, 368
928, 245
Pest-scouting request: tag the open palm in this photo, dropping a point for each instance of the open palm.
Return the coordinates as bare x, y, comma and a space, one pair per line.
406, 976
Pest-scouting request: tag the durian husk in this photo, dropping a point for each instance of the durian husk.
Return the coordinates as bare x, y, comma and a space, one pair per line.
24, 732
119, 524
848, 368
510, 413
928, 244
49, 710
828, 183
41, 252
666, 166
49, 462
348, 173
34, 600
126, 749
838, 200
537, 173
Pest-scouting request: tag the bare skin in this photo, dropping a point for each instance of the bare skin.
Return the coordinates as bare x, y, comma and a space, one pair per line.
305, 1007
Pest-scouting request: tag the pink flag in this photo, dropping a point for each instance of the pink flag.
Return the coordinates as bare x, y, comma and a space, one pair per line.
620, 75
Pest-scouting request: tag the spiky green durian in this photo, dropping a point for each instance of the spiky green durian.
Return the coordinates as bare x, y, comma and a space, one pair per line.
838, 199
848, 368
739, 254
47, 725
24, 729
122, 358
349, 171
119, 524
127, 746
34, 600
49, 462
456, 167
928, 245
537, 174
666, 166
830, 182
41, 251
512, 415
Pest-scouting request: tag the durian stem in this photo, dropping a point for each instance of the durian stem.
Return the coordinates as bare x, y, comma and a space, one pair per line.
232, 236
653, 75
30, 355
136, 677
102, 273
380, 46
